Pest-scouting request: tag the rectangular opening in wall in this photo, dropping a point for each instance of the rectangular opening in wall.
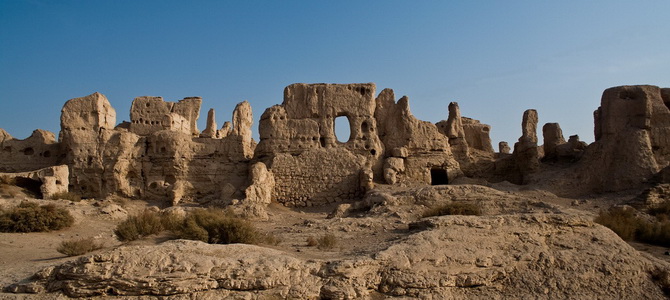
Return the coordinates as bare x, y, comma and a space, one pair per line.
438, 176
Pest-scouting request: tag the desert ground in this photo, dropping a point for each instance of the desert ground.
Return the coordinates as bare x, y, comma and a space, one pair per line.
391, 217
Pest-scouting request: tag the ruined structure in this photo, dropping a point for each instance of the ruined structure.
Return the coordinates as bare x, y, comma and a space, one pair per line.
415, 150
151, 114
632, 132
38, 151
160, 154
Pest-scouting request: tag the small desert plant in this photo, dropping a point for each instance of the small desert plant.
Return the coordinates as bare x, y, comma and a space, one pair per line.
454, 208
311, 241
327, 241
171, 221
78, 247
661, 211
211, 225
8, 191
4, 179
30, 217
67, 196
215, 226
621, 220
138, 226
657, 233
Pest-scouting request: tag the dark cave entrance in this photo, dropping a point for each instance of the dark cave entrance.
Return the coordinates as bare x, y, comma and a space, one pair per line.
438, 177
30, 185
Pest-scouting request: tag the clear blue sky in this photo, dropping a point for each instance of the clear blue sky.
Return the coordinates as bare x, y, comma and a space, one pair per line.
496, 58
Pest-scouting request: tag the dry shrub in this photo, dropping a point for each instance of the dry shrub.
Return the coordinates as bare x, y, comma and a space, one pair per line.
657, 233
661, 211
454, 208
78, 247
5, 179
311, 242
138, 226
8, 191
328, 241
30, 217
8, 186
627, 225
215, 226
620, 220
67, 196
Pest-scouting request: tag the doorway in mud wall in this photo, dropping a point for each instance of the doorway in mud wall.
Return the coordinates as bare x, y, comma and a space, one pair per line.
30, 186
438, 176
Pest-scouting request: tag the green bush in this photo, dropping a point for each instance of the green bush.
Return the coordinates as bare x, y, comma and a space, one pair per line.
454, 208
78, 247
30, 217
138, 226
215, 226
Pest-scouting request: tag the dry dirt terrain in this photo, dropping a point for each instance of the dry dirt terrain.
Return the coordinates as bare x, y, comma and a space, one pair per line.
526, 243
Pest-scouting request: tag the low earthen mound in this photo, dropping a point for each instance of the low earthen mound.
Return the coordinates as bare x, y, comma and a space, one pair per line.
552, 256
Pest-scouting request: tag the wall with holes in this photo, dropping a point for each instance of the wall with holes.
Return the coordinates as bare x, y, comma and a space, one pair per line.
151, 114
38, 151
303, 126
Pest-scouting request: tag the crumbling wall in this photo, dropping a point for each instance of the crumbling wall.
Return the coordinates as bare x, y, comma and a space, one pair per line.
38, 151
632, 130
151, 114
317, 177
302, 127
477, 135
52, 180
87, 123
422, 148
148, 159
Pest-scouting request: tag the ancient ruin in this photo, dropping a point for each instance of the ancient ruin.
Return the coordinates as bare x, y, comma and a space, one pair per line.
160, 154
529, 237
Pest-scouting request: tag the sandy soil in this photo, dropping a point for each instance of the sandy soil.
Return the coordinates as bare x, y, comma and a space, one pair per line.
23, 254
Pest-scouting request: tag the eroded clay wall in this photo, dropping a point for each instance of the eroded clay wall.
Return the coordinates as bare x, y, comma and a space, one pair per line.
317, 177
38, 151
151, 114
319, 167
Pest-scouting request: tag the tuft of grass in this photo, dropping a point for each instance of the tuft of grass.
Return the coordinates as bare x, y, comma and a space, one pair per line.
30, 217
78, 247
327, 241
454, 208
138, 226
67, 196
7, 186
8, 191
8, 180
